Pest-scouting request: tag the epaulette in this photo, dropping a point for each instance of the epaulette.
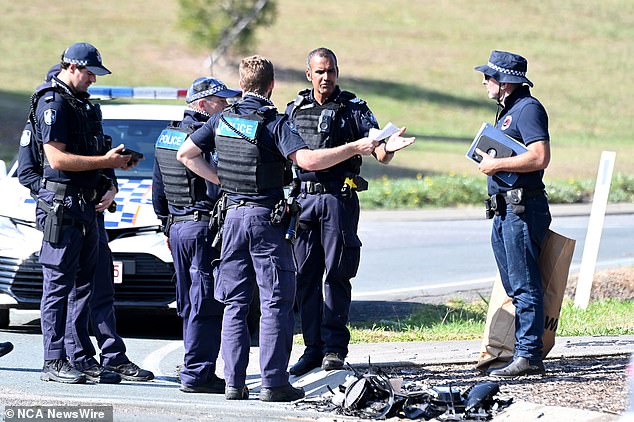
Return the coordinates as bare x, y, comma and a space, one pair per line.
301, 97
267, 111
349, 97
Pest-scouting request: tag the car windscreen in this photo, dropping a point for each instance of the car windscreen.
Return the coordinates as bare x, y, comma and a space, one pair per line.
138, 135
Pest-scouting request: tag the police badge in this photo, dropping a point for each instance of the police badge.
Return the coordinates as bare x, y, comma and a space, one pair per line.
49, 116
25, 139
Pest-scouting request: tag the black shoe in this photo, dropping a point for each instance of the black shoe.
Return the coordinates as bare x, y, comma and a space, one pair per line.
131, 372
214, 386
281, 394
5, 348
304, 364
99, 374
233, 393
332, 361
519, 367
59, 370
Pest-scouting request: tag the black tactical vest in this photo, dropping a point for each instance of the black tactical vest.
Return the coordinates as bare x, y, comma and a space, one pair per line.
242, 166
320, 126
182, 186
88, 130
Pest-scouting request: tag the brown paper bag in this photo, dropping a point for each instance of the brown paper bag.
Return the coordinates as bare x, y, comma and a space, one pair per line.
498, 340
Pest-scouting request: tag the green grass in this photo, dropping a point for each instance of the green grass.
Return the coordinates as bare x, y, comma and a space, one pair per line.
458, 320
412, 61
458, 190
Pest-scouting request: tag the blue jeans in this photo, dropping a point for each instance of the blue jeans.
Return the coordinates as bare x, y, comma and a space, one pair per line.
516, 240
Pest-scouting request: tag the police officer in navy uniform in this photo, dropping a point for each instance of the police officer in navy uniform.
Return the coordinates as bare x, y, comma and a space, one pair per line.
522, 215
75, 153
328, 248
102, 314
254, 144
184, 202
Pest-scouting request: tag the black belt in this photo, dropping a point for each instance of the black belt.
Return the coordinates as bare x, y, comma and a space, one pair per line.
312, 188
195, 216
87, 194
265, 203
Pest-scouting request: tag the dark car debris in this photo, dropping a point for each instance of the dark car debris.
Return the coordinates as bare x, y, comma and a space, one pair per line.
376, 395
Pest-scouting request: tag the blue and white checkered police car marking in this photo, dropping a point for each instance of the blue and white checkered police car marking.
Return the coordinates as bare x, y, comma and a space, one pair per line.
134, 195
134, 205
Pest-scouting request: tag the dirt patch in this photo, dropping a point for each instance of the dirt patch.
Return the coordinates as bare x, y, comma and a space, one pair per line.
616, 284
589, 383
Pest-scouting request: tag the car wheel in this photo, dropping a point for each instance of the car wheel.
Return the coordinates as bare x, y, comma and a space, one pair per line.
4, 318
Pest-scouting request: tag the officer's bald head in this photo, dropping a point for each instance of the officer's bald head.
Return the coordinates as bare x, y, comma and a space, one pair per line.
256, 75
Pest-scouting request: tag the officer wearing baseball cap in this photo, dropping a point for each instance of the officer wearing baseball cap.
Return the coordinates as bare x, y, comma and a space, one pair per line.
102, 315
184, 202
522, 215
75, 155
85, 55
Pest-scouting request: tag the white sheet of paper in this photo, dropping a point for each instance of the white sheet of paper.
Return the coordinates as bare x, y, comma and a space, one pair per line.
387, 131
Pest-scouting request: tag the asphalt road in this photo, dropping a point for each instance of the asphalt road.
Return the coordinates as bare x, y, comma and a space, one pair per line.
454, 251
421, 255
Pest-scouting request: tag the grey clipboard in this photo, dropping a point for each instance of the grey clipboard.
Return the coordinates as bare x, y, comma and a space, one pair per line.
498, 144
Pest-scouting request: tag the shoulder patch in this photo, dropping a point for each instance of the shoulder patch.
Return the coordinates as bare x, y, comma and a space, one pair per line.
25, 139
49, 116
369, 116
292, 127
357, 100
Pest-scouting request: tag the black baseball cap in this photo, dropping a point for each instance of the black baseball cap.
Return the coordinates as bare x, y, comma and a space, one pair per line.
87, 55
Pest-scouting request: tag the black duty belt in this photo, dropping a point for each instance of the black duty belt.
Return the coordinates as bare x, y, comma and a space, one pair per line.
195, 216
265, 203
312, 188
87, 194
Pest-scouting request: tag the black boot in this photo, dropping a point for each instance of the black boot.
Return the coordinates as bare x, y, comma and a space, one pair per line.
285, 393
332, 361
305, 364
59, 370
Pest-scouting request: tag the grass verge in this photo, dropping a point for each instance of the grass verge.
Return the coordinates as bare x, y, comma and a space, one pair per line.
458, 320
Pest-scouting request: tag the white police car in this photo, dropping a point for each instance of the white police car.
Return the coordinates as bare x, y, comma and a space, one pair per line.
144, 274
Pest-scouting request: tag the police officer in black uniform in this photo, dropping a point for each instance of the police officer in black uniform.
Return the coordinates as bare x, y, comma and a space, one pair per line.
75, 153
254, 145
521, 214
327, 117
102, 314
184, 202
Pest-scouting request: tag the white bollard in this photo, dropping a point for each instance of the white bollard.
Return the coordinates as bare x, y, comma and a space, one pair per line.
595, 228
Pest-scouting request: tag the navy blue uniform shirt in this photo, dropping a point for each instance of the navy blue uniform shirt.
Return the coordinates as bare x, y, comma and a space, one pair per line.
57, 121
524, 119
193, 120
282, 137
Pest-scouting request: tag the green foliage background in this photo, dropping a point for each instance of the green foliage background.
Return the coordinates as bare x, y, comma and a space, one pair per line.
207, 22
412, 61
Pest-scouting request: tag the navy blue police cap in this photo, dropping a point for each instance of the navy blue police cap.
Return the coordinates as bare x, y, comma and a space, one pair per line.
84, 54
506, 67
206, 87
